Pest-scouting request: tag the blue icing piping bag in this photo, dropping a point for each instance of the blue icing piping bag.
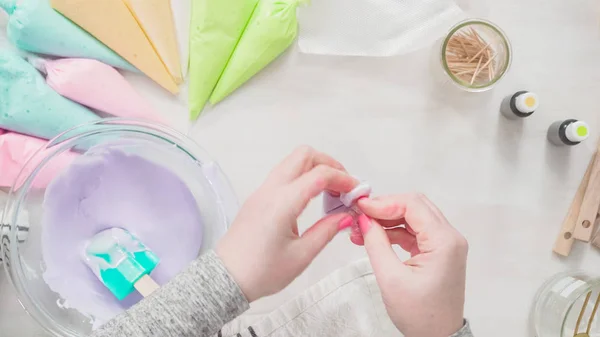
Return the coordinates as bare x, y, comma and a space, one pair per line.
121, 262
28, 105
35, 26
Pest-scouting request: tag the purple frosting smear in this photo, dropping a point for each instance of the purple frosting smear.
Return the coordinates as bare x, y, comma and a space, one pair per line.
112, 188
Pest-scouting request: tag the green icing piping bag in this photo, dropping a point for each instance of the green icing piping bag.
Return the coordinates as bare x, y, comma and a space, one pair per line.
215, 29
271, 30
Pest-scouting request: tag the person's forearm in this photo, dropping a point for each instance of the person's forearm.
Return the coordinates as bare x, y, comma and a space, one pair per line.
464, 332
196, 303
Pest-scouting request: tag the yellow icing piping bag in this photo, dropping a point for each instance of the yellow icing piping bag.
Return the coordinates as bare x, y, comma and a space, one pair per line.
122, 34
155, 17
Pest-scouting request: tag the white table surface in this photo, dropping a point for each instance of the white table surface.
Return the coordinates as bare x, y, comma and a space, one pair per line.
499, 182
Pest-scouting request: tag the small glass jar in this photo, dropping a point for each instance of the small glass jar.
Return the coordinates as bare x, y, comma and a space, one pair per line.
486, 59
563, 301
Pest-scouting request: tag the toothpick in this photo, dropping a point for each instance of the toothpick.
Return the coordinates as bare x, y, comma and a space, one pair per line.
479, 52
464, 73
464, 64
492, 69
490, 60
489, 66
475, 34
464, 48
476, 70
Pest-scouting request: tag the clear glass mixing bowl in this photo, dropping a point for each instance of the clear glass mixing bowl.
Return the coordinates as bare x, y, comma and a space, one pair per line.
21, 242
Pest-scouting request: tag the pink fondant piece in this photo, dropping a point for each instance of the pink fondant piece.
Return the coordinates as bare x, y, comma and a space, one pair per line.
16, 149
333, 204
98, 86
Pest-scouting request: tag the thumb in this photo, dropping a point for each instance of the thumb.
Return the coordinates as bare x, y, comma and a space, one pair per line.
378, 246
321, 233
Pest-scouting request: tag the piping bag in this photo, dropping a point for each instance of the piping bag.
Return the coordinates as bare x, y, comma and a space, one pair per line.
34, 26
17, 149
216, 27
155, 17
95, 85
181, 15
271, 30
124, 35
29, 106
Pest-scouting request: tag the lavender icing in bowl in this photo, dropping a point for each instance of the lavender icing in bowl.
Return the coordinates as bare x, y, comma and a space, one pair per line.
131, 174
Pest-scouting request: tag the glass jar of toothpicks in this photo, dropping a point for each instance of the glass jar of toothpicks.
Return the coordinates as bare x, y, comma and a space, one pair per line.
476, 54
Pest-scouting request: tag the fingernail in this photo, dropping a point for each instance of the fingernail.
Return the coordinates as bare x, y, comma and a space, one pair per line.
345, 223
364, 223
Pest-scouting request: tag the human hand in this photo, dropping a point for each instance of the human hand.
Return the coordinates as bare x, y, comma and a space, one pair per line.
263, 250
425, 295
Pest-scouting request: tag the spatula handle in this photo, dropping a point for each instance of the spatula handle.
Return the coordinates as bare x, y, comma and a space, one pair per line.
146, 286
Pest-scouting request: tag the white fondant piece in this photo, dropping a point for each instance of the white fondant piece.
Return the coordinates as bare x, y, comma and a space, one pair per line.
362, 190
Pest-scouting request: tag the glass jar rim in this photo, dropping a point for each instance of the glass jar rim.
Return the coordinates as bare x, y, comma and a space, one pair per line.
505, 41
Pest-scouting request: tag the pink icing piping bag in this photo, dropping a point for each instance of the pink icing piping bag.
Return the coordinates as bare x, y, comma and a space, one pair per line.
16, 149
96, 85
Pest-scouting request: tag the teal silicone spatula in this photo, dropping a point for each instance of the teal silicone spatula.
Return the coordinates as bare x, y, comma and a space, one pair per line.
121, 262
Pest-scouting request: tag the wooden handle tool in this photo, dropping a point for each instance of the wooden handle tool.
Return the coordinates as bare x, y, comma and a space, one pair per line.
584, 227
564, 240
596, 239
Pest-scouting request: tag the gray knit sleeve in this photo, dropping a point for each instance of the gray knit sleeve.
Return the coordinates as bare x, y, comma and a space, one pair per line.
196, 303
464, 332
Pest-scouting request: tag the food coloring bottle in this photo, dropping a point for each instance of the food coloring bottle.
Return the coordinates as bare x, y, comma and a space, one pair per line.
568, 132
